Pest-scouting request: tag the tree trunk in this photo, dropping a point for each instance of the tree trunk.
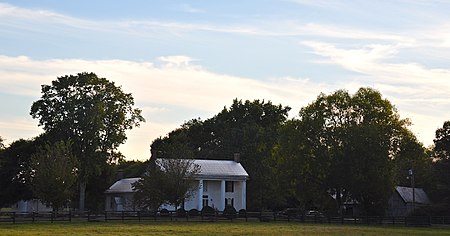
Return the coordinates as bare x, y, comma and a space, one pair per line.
82, 196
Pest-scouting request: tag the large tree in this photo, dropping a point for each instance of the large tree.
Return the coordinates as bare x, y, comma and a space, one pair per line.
93, 113
442, 142
441, 191
14, 168
352, 139
246, 127
53, 174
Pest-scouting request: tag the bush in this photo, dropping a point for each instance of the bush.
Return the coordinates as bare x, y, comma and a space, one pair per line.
164, 212
193, 212
207, 210
242, 213
229, 211
181, 213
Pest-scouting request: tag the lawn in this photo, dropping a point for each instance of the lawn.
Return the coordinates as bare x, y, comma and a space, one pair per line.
208, 228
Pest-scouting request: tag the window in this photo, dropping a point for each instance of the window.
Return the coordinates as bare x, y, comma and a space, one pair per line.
205, 186
229, 186
229, 201
205, 201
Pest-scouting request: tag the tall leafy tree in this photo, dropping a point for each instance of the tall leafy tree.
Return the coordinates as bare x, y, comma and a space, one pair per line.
246, 127
92, 112
14, 168
302, 167
441, 168
411, 155
53, 174
354, 139
442, 142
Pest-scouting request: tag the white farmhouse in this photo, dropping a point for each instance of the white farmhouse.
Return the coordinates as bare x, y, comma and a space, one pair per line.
220, 183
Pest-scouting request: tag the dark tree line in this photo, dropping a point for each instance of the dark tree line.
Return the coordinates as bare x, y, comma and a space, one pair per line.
340, 148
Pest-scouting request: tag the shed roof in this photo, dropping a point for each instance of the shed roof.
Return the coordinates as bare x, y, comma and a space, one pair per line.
122, 186
406, 194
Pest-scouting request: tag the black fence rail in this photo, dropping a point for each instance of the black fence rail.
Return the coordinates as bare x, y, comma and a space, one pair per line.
194, 215
35, 216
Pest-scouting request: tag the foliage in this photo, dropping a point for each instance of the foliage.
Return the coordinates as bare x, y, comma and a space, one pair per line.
441, 168
90, 111
2, 144
249, 128
14, 168
53, 171
168, 181
342, 145
411, 155
130, 169
442, 142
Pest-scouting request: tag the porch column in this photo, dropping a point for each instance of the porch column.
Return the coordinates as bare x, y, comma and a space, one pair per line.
243, 195
200, 195
222, 195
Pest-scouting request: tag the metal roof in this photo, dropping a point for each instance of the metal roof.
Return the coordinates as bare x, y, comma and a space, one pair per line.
122, 186
221, 169
406, 194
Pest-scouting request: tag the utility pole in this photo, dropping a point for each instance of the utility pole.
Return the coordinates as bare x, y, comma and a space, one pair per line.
411, 175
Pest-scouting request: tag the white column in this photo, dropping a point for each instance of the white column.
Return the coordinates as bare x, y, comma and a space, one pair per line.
243, 195
200, 195
222, 195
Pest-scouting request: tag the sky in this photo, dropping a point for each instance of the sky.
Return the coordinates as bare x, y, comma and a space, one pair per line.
189, 59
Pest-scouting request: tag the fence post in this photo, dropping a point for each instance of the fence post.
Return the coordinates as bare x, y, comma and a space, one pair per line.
33, 216
70, 216
139, 215
14, 217
52, 216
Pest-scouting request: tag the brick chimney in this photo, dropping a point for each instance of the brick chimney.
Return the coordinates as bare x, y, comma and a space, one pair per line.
237, 157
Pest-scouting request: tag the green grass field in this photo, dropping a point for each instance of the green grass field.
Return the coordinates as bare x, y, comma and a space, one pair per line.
208, 228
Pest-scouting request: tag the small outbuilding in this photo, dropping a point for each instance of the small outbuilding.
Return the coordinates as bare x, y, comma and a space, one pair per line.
405, 199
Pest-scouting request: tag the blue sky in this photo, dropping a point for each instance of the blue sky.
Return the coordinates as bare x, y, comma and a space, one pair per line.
189, 59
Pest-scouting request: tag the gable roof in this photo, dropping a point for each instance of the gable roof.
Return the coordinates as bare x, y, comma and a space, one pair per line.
122, 186
406, 194
221, 169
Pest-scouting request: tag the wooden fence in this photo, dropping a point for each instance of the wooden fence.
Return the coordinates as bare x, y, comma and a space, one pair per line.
123, 216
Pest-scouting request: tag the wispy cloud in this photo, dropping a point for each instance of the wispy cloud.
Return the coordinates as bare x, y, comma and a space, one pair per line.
418, 91
164, 89
43, 20
190, 9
